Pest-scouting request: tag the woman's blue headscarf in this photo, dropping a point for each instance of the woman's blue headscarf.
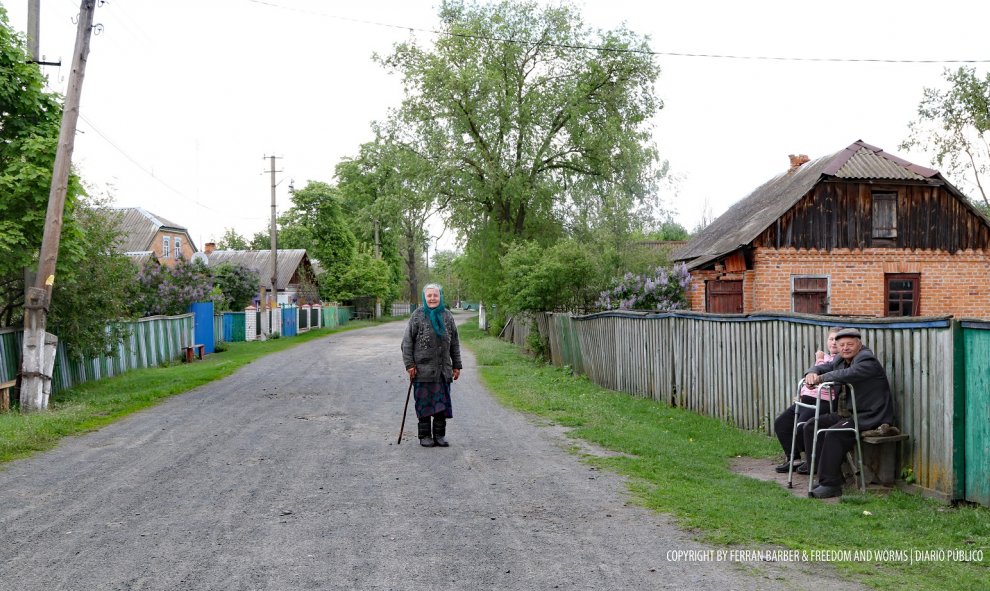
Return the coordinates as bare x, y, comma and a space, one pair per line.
435, 315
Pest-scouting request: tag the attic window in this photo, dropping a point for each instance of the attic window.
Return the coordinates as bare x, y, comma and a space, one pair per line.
885, 215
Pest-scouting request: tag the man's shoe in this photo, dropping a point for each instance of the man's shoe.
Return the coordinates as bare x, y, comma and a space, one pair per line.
427, 441
826, 492
802, 468
783, 468
441, 441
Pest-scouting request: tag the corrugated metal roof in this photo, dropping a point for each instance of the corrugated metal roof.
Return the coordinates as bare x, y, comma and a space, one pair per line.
138, 228
750, 216
260, 261
867, 164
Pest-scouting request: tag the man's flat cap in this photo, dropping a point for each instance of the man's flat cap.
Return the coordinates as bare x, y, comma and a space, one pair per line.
848, 332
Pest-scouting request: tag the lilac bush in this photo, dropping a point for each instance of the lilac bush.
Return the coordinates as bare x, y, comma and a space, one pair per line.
663, 289
169, 291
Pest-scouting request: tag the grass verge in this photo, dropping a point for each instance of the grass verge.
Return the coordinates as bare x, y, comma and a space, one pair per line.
92, 405
678, 463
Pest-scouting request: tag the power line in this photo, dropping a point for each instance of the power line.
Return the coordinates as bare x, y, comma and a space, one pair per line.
622, 49
151, 174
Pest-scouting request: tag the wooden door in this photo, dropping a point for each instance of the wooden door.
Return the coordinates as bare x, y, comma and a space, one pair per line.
724, 297
810, 295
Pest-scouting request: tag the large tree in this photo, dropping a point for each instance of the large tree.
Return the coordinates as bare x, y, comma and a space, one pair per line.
29, 128
316, 222
232, 240
385, 190
523, 112
98, 286
953, 126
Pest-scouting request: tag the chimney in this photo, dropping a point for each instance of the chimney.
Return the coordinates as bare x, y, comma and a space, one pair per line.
797, 161
209, 247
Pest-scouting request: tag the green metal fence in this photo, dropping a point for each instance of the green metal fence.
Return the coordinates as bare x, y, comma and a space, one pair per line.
973, 465
151, 341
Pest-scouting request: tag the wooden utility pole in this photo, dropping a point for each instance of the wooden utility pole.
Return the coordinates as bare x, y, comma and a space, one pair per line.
39, 347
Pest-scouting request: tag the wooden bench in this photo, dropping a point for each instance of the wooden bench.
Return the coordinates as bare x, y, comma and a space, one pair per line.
5, 395
882, 461
198, 350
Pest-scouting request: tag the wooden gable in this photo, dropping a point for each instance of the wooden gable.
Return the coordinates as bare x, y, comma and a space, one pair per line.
863, 214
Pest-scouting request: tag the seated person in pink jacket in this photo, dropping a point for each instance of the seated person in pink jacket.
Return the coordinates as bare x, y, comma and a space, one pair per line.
783, 425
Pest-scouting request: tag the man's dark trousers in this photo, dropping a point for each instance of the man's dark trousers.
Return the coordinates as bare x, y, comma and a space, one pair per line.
832, 447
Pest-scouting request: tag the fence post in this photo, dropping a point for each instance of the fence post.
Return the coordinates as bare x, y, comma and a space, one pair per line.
250, 323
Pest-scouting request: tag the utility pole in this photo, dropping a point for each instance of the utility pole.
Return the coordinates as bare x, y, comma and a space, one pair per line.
273, 233
34, 29
38, 355
34, 34
378, 256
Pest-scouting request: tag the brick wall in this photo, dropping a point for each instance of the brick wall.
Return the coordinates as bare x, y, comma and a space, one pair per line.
957, 284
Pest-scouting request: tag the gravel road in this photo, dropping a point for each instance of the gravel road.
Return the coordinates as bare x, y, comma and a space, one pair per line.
287, 475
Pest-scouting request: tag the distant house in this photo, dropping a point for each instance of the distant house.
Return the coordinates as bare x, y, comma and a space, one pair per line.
296, 278
858, 232
144, 234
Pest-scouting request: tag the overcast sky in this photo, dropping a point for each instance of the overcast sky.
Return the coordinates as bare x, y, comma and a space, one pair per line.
183, 99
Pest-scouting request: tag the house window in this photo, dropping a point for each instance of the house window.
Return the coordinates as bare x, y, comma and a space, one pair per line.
902, 294
809, 294
885, 215
724, 297
178, 248
166, 251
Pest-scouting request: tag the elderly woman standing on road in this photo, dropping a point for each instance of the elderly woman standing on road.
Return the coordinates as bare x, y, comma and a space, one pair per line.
431, 353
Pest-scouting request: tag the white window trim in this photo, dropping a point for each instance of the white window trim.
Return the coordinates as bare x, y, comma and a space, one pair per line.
166, 247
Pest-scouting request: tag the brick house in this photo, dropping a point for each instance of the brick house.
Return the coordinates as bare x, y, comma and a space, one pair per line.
144, 235
858, 232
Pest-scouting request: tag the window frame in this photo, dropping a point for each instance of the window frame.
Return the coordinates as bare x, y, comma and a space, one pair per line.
166, 247
883, 235
915, 293
827, 292
177, 245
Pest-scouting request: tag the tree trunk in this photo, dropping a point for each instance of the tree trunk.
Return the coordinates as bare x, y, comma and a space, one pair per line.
411, 272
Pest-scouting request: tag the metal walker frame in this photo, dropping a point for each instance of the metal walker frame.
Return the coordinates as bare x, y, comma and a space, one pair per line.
814, 440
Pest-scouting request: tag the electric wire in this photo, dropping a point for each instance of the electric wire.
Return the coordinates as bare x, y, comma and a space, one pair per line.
604, 49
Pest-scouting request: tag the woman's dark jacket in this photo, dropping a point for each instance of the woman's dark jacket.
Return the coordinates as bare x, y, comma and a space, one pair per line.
435, 358
874, 403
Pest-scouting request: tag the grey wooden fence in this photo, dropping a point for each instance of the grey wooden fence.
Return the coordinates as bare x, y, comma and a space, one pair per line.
744, 369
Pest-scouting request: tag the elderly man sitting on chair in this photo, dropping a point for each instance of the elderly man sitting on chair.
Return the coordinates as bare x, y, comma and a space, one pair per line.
858, 366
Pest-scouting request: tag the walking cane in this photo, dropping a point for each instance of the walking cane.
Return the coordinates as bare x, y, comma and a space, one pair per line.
405, 409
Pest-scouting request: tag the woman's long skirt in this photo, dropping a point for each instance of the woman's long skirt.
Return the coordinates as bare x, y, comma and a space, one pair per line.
432, 398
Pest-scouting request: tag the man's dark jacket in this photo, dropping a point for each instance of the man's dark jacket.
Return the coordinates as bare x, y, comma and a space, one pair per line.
874, 402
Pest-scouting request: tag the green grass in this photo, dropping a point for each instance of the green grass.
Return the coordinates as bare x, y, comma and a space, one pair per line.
678, 463
92, 405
